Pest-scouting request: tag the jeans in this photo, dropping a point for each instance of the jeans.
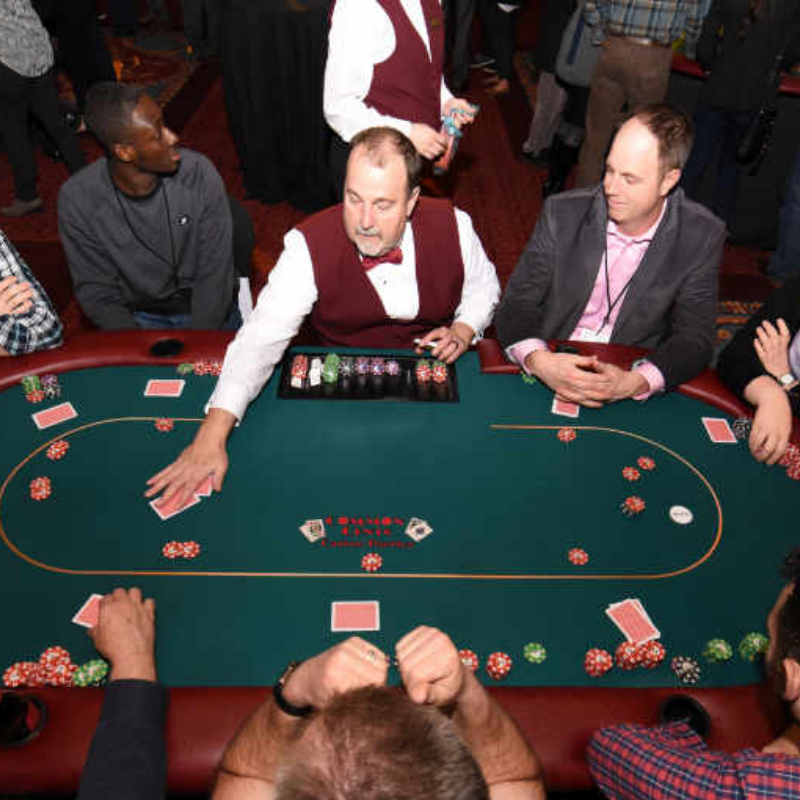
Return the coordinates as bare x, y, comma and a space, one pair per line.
152, 322
785, 261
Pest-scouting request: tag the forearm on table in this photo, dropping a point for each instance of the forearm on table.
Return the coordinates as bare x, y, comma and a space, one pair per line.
495, 740
763, 389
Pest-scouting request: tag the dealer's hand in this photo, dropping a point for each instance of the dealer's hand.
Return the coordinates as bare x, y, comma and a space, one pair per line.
465, 111
430, 667
353, 664
15, 296
205, 456
449, 343
126, 634
429, 143
573, 378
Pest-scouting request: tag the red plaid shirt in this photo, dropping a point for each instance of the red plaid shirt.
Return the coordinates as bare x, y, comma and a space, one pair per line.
671, 762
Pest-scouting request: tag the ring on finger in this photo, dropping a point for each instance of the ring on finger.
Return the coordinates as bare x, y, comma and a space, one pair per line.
371, 656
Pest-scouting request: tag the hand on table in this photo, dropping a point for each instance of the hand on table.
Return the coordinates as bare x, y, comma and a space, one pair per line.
430, 666
15, 296
353, 664
622, 383
574, 378
465, 111
205, 456
126, 634
429, 143
772, 426
450, 342
772, 347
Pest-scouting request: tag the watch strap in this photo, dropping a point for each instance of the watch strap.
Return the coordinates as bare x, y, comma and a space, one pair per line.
280, 701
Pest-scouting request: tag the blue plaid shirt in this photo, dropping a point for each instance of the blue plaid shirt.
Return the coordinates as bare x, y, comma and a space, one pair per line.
661, 20
39, 328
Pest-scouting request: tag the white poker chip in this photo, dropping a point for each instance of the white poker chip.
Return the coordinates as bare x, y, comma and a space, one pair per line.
681, 515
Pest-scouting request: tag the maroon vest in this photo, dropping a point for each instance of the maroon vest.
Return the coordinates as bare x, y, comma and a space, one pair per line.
407, 85
348, 311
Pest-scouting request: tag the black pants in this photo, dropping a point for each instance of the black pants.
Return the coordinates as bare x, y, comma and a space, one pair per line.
18, 96
502, 33
461, 15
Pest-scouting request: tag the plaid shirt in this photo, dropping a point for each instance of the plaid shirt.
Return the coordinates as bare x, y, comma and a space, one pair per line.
671, 762
661, 20
39, 328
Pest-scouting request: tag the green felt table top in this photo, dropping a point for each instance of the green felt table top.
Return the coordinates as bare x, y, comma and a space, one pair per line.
505, 497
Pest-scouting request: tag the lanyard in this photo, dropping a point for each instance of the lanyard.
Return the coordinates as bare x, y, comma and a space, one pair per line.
612, 305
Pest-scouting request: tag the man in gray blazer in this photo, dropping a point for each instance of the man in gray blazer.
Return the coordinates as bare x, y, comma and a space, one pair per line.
630, 262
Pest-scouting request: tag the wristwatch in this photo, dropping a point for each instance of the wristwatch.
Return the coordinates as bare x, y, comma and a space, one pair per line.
785, 380
281, 702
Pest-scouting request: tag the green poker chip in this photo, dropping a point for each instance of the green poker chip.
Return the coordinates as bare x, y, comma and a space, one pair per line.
527, 378
717, 651
535, 652
185, 369
92, 673
753, 645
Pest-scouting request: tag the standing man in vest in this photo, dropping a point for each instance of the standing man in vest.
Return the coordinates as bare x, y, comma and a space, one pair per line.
381, 269
385, 68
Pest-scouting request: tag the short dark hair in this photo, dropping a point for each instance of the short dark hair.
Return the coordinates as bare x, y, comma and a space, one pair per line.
376, 744
787, 628
109, 109
673, 129
380, 142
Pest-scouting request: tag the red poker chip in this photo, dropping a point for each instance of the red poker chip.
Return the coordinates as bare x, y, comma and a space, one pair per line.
597, 662
469, 659
41, 488
14, 676
631, 474
58, 449
215, 368
628, 655
578, 556
190, 549
60, 674
791, 456
498, 665
371, 562
651, 654
36, 396
634, 504
172, 550
793, 471
54, 653
646, 462
567, 434
164, 424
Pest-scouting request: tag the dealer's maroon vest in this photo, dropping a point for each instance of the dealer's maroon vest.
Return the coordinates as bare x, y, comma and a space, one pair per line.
348, 311
408, 83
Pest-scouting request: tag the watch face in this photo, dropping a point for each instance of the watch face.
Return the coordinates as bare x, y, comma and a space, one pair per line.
787, 379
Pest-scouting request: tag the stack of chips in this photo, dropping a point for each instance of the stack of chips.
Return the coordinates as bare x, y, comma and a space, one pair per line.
330, 369
51, 386
717, 651
686, 669
741, 428
535, 652
92, 673
498, 665
597, 662
753, 645
469, 659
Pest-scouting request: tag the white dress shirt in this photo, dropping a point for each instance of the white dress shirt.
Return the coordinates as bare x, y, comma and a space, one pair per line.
291, 292
361, 36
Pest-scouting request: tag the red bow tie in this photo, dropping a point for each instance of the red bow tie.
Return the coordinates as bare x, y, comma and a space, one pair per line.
394, 256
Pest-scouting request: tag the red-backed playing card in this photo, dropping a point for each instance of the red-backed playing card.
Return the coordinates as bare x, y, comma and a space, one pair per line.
362, 615
205, 488
164, 388
565, 409
718, 430
165, 510
89, 612
52, 416
634, 622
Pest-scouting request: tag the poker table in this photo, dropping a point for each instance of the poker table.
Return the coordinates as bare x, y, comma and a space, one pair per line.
507, 499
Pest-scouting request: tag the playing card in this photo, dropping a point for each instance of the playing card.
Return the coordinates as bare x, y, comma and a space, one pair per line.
313, 529
418, 529
634, 622
348, 615
565, 409
164, 388
718, 430
205, 488
52, 416
89, 612
166, 510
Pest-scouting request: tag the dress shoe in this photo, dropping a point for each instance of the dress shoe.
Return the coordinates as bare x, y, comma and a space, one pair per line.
21, 207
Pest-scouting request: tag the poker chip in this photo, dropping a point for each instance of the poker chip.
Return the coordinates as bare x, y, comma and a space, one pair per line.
681, 515
330, 368
347, 367
631, 474
190, 549
633, 505
164, 424
791, 456
627, 655
469, 659
422, 370
392, 368
371, 562
215, 368
651, 654
35, 396
741, 428
362, 365
57, 450
50, 386
646, 463
92, 673
793, 472
202, 368
54, 654
535, 652
14, 676
717, 651
57, 667
578, 556
30, 383
686, 669
498, 665
597, 662
529, 379
439, 372
172, 550
187, 368
41, 488
753, 645
567, 434
377, 367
